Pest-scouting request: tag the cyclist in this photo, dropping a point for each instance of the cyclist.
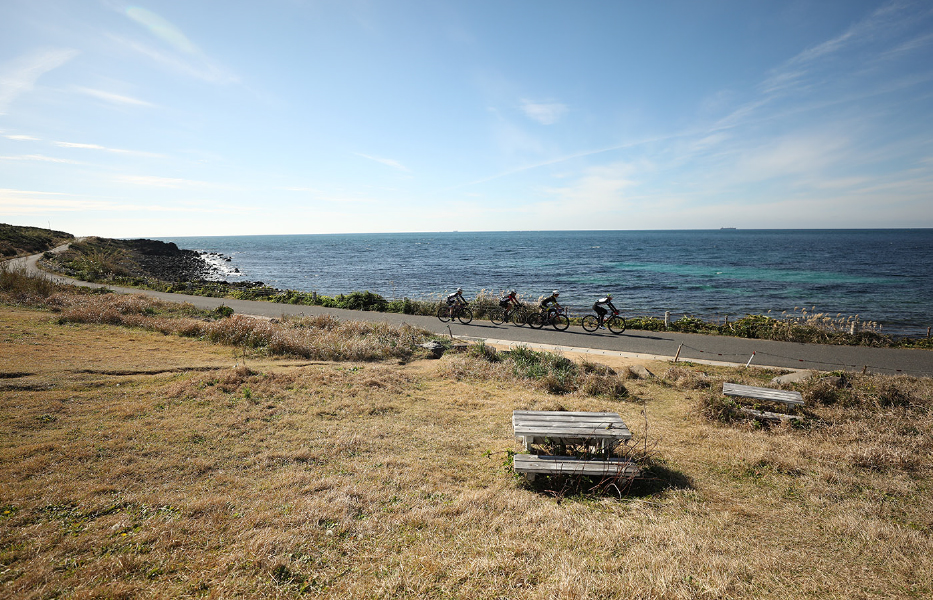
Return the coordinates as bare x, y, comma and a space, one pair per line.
550, 305
510, 301
602, 312
455, 300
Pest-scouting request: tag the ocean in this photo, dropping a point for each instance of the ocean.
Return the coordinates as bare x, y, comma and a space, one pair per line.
884, 276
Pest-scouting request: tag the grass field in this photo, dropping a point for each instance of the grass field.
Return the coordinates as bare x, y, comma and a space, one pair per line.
139, 463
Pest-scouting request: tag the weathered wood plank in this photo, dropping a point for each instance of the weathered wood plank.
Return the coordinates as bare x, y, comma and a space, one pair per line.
563, 414
577, 432
769, 416
760, 393
604, 422
563, 465
569, 427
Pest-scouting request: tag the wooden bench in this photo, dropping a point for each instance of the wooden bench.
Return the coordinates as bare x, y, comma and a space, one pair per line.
565, 427
531, 465
597, 430
764, 394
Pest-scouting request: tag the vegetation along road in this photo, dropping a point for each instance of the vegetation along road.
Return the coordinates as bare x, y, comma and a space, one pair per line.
688, 347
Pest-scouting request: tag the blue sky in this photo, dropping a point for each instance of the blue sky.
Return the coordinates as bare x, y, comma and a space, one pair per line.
202, 117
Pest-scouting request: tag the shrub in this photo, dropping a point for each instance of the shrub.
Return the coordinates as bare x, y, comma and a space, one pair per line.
19, 288
547, 370
717, 407
689, 379
223, 311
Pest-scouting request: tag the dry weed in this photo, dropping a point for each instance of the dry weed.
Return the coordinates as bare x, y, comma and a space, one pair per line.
319, 338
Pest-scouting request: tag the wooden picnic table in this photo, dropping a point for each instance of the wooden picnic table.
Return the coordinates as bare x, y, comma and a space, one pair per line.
601, 429
565, 427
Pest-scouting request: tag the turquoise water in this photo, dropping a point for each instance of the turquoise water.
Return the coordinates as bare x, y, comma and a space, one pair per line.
880, 275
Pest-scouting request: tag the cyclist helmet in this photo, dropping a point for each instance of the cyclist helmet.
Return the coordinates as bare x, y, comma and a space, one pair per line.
459, 290
556, 293
609, 296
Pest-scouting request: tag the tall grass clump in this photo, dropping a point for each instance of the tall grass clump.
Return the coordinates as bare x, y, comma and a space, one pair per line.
319, 338
17, 287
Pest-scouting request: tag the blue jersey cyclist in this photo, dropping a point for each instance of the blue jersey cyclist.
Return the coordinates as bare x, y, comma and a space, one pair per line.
605, 301
550, 303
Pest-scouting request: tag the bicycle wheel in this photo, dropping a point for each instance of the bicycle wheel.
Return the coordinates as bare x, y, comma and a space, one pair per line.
616, 324
560, 322
590, 323
443, 313
519, 316
465, 315
535, 320
497, 316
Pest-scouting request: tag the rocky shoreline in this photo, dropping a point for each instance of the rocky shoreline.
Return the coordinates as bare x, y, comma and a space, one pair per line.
166, 261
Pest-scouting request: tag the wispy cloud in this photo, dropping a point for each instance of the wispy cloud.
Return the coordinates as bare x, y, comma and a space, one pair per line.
42, 158
583, 154
385, 161
105, 149
113, 98
19, 76
21, 138
796, 71
162, 28
26, 202
183, 55
546, 113
600, 188
170, 182
301, 189
30, 201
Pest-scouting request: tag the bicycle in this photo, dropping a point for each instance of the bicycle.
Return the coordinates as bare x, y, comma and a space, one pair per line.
555, 318
615, 323
517, 315
461, 312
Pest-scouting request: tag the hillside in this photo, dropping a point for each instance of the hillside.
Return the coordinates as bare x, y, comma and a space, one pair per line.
137, 262
16, 240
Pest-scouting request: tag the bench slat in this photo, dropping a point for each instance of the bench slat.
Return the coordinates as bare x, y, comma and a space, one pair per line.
581, 422
760, 393
563, 414
562, 465
574, 432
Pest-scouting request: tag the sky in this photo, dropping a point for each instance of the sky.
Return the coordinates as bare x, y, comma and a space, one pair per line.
231, 117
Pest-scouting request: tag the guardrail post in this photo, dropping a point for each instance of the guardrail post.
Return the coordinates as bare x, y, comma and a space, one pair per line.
667, 318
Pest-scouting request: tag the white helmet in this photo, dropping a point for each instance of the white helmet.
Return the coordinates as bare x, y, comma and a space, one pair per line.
556, 293
459, 290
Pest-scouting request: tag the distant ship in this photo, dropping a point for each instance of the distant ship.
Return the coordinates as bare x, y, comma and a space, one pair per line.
727, 229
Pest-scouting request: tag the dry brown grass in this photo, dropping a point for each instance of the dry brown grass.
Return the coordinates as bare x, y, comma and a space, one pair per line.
199, 476
319, 338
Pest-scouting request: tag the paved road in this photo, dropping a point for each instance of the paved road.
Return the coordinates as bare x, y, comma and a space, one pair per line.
649, 344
